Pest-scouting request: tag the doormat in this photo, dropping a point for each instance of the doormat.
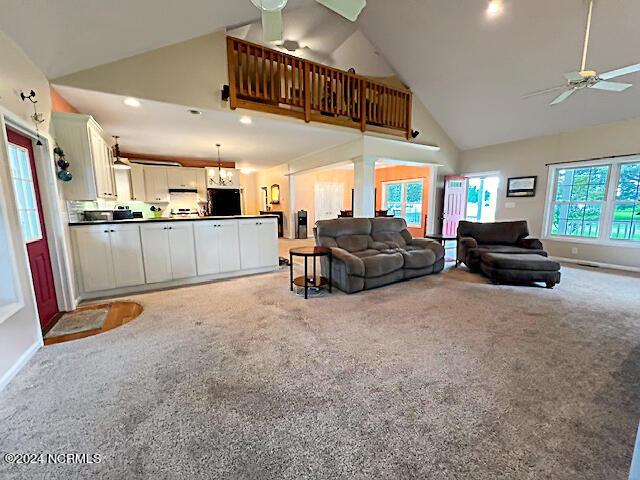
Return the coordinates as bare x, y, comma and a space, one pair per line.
79, 321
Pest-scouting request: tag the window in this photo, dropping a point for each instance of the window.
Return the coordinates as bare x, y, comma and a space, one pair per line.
25, 193
580, 196
626, 213
404, 199
599, 202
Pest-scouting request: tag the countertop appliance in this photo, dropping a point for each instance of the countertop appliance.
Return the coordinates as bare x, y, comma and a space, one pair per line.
224, 201
184, 212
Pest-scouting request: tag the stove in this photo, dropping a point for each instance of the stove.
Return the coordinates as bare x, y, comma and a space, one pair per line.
184, 212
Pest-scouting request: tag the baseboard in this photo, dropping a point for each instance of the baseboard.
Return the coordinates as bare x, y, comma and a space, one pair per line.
597, 264
22, 361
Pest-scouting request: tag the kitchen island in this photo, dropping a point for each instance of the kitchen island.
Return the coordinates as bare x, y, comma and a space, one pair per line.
118, 257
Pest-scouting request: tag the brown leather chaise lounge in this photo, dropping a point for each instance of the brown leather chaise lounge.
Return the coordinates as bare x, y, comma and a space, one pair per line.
371, 252
505, 254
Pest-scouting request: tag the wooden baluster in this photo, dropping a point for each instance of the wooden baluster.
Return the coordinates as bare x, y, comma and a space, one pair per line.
231, 61
264, 74
363, 105
409, 115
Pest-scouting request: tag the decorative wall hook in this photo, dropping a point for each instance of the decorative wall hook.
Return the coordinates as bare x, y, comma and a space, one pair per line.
37, 118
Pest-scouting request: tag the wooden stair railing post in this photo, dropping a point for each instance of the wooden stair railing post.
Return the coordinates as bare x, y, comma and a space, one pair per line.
409, 115
362, 98
231, 61
307, 93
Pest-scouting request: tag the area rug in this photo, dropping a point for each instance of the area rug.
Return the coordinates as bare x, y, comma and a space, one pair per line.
79, 321
444, 377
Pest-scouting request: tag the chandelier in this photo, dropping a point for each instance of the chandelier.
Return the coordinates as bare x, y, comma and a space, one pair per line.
224, 178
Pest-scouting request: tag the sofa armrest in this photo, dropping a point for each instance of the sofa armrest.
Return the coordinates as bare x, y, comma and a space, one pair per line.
427, 244
464, 245
353, 264
530, 243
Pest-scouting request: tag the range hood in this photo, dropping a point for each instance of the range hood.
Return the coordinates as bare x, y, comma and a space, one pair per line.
183, 190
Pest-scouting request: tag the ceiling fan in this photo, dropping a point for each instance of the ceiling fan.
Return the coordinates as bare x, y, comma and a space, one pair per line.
589, 78
272, 14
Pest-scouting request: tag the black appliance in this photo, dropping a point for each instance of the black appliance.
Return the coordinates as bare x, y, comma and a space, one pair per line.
223, 202
122, 213
301, 227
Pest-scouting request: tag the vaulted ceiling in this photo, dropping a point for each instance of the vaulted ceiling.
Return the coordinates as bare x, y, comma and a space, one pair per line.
470, 70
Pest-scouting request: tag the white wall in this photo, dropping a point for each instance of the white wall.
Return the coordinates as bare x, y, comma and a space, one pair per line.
20, 334
528, 157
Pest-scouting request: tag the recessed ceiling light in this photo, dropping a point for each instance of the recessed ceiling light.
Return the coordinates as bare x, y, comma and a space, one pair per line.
246, 120
132, 102
195, 112
494, 8
246, 171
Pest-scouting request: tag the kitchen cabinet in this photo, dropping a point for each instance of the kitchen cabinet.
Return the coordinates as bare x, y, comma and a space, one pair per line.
258, 242
82, 140
168, 250
110, 256
217, 249
138, 191
180, 178
156, 184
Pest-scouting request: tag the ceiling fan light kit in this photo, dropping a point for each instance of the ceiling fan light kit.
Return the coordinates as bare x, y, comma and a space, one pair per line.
589, 78
272, 25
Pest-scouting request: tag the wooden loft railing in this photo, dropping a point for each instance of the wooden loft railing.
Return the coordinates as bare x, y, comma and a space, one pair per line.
271, 81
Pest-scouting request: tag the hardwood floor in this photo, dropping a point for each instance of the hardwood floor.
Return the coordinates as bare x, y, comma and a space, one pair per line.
119, 314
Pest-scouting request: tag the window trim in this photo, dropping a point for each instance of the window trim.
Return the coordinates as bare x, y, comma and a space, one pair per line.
404, 182
608, 204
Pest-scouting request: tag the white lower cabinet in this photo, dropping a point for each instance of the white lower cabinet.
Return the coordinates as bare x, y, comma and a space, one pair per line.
258, 243
168, 251
217, 247
127, 255
110, 256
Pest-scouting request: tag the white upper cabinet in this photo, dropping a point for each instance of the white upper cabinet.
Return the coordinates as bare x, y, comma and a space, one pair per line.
138, 190
156, 184
89, 155
181, 178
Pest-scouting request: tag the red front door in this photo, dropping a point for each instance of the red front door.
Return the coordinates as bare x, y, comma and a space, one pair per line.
29, 203
455, 199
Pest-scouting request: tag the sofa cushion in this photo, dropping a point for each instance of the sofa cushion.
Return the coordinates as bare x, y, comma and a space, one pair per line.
476, 253
390, 230
504, 261
383, 263
426, 244
418, 257
370, 252
354, 243
494, 233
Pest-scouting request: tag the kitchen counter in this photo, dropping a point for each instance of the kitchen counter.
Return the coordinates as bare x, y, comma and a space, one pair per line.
168, 219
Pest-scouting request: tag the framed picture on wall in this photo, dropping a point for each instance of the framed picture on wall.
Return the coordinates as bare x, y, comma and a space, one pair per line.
521, 186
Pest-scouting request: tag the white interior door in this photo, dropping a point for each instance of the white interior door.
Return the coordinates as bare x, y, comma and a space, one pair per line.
329, 200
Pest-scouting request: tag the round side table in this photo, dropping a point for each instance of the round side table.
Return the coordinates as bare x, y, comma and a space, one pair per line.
306, 281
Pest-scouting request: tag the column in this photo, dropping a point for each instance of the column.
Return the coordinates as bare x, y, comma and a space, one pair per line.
364, 185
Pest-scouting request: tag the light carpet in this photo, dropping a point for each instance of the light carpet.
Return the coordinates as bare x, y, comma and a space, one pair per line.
441, 377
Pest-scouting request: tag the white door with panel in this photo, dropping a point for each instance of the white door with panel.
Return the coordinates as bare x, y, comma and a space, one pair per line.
156, 252
182, 250
126, 253
217, 247
94, 256
110, 256
329, 200
156, 184
137, 183
258, 243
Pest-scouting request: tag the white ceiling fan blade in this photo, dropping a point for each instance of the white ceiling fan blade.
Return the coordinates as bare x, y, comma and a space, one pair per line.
620, 71
611, 86
574, 76
563, 96
272, 26
349, 9
542, 92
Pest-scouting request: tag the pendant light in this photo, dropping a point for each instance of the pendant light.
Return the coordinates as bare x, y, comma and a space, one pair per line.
118, 164
224, 178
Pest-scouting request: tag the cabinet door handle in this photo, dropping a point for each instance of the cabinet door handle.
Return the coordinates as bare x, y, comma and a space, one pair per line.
170, 228
112, 231
106, 231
